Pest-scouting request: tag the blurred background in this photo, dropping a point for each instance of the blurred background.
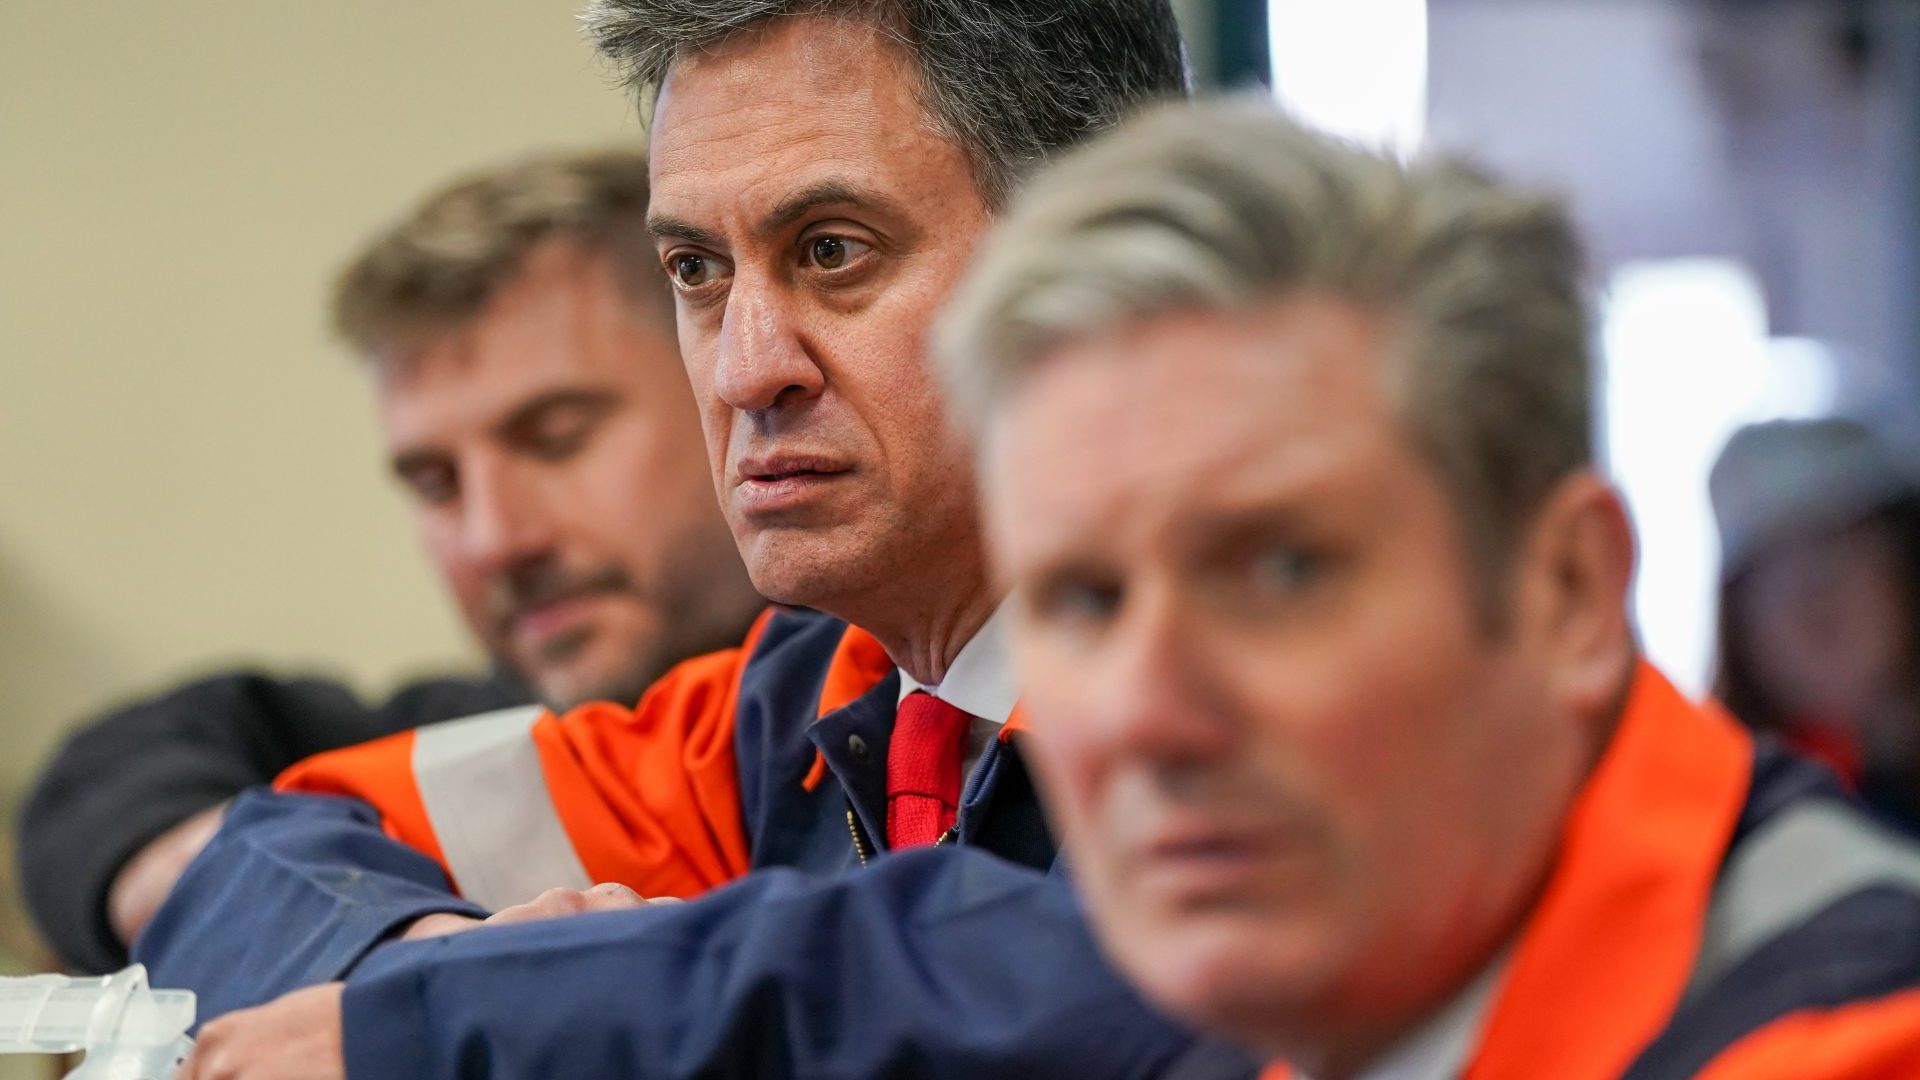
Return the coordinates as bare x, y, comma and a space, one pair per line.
189, 475
189, 472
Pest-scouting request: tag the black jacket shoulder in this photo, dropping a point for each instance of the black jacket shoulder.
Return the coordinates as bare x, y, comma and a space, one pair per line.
124, 778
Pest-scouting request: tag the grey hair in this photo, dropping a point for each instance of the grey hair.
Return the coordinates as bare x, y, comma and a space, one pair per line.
1008, 81
441, 264
1231, 205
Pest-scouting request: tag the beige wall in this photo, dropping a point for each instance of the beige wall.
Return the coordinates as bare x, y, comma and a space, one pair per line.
188, 470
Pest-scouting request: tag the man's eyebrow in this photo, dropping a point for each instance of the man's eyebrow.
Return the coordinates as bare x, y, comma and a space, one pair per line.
668, 227
524, 415
789, 210
407, 462
831, 192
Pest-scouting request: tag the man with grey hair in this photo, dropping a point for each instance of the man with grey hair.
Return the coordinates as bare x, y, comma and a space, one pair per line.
1321, 608
821, 172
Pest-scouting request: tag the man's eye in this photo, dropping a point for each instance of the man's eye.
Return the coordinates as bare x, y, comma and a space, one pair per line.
1082, 601
559, 442
834, 252
690, 270
1284, 568
432, 486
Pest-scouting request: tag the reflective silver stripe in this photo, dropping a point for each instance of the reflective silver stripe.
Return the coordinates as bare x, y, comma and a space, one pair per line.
1792, 868
487, 800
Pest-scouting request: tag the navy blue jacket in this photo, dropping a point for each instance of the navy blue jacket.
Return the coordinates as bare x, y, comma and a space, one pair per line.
964, 960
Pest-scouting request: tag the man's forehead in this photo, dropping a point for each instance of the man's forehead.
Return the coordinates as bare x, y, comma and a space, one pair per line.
459, 385
795, 106
1193, 411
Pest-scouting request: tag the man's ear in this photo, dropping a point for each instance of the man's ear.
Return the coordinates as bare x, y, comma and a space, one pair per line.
1579, 564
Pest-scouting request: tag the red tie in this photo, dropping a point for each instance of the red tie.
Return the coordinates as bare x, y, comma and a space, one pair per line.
923, 770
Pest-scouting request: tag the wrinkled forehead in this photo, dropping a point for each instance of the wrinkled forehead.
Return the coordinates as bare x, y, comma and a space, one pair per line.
1148, 425
785, 104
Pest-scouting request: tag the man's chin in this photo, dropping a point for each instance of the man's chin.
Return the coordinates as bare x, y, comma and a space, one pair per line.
805, 569
561, 691
586, 677
1224, 974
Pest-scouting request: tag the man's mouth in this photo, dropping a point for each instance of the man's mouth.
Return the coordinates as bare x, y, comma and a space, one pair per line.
554, 614
1213, 856
780, 482
539, 605
773, 469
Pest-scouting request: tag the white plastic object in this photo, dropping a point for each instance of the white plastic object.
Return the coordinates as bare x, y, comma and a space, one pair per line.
128, 1031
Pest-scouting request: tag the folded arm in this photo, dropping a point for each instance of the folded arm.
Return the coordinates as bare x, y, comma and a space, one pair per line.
131, 797
947, 962
294, 890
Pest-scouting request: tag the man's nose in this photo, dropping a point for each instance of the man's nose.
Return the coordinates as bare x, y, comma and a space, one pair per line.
763, 361
503, 519
1155, 698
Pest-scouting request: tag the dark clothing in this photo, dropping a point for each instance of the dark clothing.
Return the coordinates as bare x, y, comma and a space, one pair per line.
122, 780
834, 957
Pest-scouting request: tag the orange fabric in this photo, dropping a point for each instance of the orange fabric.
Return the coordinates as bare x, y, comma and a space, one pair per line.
649, 796
1873, 1040
1016, 723
1602, 963
859, 663
816, 775
379, 772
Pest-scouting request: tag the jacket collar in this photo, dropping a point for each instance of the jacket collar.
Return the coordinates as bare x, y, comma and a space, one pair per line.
1603, 960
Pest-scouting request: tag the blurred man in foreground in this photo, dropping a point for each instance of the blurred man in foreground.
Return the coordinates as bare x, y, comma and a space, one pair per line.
1322, 612
519, 333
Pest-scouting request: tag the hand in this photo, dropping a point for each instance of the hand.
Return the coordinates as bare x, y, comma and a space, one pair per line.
145, 879
296, 1037
438, 924
552, 904
559, 903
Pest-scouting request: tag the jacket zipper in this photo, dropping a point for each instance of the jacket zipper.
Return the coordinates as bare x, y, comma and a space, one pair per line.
863, 845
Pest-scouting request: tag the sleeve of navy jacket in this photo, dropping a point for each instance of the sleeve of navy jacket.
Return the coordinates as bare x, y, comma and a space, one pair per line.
292, 891
936, 963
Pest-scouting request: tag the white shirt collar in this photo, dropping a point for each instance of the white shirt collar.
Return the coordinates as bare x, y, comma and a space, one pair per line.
981, 679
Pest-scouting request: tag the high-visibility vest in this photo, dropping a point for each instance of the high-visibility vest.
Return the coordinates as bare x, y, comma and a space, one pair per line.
1709, 917
516, 802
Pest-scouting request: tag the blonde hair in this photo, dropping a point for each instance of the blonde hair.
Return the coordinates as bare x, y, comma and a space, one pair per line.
446, 260
1229, 205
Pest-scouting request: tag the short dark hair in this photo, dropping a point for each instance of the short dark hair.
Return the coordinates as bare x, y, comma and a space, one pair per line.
1009, 81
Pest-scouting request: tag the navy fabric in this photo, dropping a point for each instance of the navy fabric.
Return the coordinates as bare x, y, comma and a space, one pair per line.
121, 780
771, 751
1861, 947
936, 962
1782, 779
292, 891
854, 740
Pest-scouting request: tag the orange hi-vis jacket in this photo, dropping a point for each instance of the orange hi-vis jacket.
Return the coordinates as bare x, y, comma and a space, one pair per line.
518, 801
1720, 910
965, 959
